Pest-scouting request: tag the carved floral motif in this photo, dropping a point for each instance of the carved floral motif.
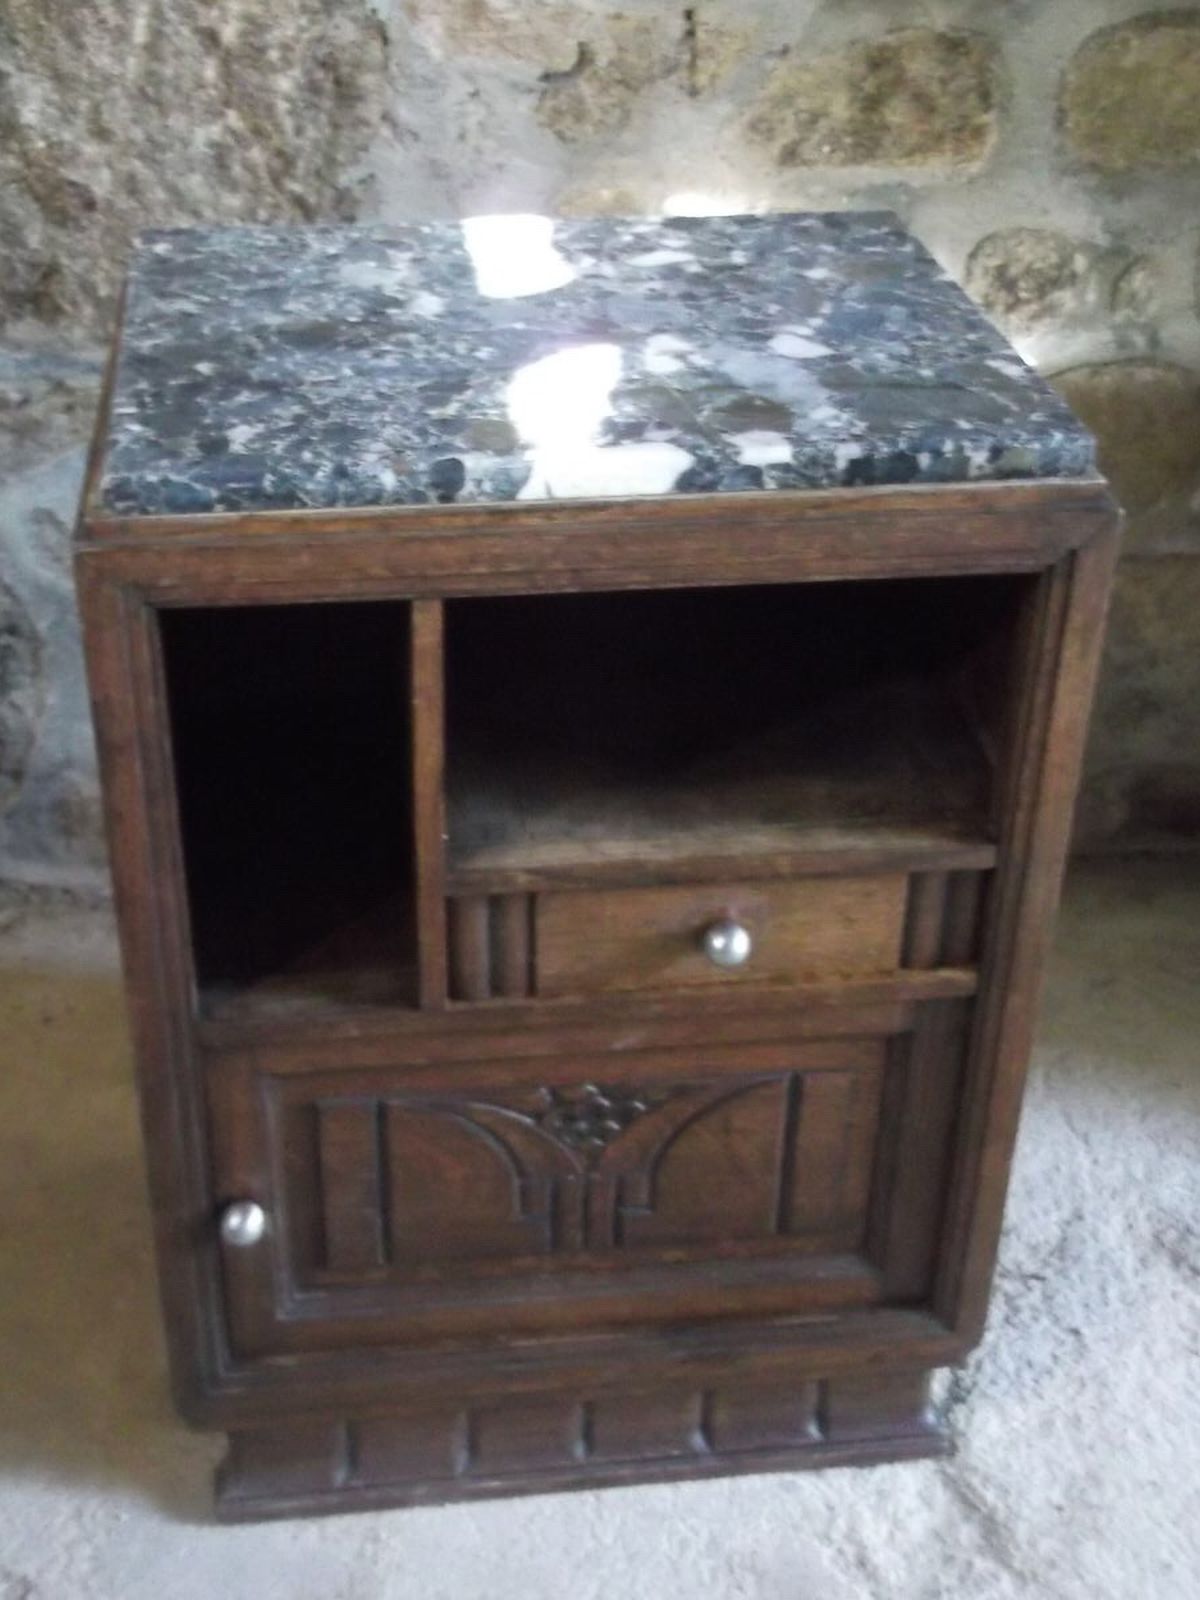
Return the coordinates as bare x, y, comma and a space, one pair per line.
589, 1116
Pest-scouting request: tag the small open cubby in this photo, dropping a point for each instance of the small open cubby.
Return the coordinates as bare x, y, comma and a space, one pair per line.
724, 727
291, 734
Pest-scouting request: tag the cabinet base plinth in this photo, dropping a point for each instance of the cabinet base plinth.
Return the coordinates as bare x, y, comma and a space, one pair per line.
552, 1442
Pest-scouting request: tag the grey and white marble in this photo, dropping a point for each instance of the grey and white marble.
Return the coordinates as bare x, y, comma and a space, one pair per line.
518, 359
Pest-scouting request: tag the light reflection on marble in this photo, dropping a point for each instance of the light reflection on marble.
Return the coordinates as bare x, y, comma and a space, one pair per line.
514, 255
563, 399
515, 358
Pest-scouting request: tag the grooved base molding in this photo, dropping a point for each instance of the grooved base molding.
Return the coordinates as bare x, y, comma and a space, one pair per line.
555, 1442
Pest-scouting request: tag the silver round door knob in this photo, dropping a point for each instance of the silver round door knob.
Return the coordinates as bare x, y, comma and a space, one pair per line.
727, 944
243, 1223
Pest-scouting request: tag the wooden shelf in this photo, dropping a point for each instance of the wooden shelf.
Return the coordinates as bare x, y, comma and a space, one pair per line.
885, 776
366, 963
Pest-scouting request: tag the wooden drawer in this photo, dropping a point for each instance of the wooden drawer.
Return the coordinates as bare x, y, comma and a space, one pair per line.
591, 942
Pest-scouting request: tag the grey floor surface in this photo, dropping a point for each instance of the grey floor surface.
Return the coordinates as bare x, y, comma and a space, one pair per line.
1077, 1470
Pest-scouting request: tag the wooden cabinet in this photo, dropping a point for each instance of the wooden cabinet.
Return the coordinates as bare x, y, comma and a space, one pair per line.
508, 1126
582, 961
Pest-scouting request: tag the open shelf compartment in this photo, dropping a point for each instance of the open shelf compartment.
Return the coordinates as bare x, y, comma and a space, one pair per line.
807, 727
292, 745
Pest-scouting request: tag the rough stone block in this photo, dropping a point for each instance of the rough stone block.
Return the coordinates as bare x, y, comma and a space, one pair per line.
1131, 96
21, 691
597, 200
545, 36
1142, 783
50, 820
1023, 276
716, 50
917, 97
119, 117
1138, 290
597, 95
47, 401
572, 40
1146, 418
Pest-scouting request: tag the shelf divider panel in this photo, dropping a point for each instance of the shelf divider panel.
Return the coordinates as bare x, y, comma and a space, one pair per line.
429, 805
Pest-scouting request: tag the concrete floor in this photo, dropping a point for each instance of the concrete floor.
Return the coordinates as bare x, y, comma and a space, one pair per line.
1077, 1472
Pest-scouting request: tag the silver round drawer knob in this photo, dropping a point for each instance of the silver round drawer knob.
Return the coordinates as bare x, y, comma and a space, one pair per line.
727, 944
243, 1223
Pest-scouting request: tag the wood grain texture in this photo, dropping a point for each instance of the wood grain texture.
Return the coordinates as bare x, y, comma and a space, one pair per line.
410, 1209
926, 917
1020, 504
1064, 635
504, 1027
429, 813
88, 494
444, 1453
921, 1099
753, 856
490, 946
944, 919
600, 1232
469, 934
512, 945
808, 929
128, 714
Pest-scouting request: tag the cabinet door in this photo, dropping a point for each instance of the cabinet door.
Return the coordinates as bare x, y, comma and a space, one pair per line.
409, 1204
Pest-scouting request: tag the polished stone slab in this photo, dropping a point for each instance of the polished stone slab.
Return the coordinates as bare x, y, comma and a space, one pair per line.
515, 358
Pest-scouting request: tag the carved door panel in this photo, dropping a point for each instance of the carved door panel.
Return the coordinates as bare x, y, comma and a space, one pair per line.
414, 1203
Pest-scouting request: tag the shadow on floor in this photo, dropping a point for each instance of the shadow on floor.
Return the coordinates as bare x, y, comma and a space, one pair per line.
82, 1365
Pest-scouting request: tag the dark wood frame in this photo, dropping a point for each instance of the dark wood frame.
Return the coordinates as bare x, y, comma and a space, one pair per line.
284, 1416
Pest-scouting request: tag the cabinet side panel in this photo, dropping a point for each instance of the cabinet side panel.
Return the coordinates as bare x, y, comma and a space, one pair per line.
133, 746
1064, 635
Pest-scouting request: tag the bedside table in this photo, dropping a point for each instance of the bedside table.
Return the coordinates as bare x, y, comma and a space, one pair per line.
589, 716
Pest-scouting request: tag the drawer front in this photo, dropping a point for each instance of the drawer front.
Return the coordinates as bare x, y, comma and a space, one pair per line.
411, 1204
809, 928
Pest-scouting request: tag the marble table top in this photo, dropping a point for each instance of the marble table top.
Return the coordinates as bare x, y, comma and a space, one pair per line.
515, 358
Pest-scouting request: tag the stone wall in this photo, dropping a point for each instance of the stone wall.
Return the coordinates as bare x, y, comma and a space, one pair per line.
1048, 154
